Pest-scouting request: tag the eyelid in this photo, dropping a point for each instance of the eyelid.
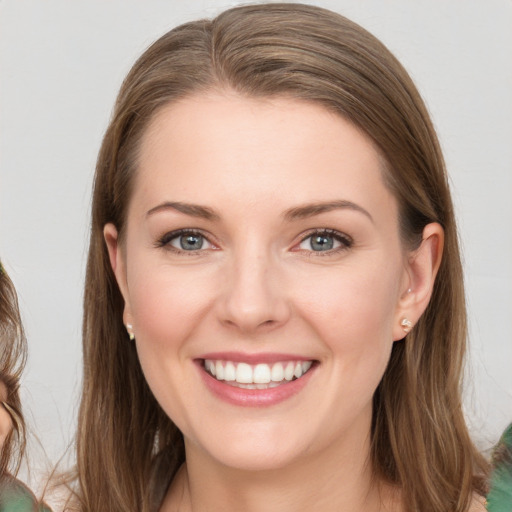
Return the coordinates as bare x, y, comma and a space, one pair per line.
164, 241
345, 240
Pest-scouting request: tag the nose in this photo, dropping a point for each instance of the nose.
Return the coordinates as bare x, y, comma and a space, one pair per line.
254, 296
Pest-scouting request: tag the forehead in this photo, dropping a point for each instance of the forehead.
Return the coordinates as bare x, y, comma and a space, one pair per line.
226, 146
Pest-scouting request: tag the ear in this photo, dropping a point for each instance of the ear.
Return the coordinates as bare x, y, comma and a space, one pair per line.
419, 278
118, 264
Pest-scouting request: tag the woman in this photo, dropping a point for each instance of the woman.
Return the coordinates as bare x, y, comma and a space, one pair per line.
12, 360
273, 230
499, 498
14, 495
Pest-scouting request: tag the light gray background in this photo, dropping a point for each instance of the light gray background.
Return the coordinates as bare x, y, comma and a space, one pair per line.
61, 64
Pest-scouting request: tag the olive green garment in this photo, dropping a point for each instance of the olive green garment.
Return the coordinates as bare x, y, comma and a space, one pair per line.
16, 497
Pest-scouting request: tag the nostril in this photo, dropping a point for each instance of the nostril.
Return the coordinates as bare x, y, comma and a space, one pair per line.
264, 324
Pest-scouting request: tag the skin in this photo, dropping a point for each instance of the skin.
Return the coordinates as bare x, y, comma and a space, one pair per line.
5, 417
257, 286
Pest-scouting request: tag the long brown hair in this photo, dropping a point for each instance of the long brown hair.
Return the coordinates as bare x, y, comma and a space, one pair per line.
127, 448
13, 354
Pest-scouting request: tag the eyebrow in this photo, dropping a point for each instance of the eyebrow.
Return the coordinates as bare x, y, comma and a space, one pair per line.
310, 210
298, 212
194, 210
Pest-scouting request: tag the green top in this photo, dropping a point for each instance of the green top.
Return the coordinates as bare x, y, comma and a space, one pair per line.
499, 498
16, 497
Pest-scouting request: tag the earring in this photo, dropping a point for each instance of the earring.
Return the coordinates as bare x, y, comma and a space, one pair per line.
406, 325
129, 328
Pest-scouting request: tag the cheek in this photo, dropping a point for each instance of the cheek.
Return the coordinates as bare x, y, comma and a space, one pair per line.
353, 313
352, 300
167, 304
5, 425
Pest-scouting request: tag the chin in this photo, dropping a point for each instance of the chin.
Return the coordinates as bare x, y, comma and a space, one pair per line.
250, 460
251, 450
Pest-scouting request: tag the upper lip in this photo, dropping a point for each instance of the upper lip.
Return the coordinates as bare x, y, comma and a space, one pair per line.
254, 358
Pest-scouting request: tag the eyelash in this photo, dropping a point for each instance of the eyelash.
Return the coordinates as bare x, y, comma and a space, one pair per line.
165, 241
345, 241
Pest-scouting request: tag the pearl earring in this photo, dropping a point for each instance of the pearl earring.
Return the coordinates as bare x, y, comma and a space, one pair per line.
129, 328
406, 325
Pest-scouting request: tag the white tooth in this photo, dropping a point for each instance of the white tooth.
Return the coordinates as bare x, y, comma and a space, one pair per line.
229, 371
288, 372
219, 370
277, 372
244, 373
247, 386
298, 370
210, 366
261, 374
306, 365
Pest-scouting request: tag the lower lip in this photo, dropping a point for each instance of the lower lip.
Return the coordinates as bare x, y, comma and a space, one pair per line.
254, 397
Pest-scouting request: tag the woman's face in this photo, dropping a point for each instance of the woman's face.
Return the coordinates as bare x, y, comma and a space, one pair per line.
261, 245
5, 417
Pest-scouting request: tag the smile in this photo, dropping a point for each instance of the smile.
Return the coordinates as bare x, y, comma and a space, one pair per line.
256, 376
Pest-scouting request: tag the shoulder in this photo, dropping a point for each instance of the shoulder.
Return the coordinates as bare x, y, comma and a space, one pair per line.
500, 492
15, 495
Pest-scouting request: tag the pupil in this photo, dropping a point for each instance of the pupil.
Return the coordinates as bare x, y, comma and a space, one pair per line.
322, 243
191, 242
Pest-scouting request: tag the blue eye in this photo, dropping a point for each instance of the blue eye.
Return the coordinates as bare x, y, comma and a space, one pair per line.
184, 241
324, 241
321, 242
188, 242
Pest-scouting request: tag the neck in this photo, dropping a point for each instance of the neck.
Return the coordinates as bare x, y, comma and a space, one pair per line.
339, 478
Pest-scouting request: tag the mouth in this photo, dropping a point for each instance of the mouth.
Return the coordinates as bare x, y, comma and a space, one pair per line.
256, 376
